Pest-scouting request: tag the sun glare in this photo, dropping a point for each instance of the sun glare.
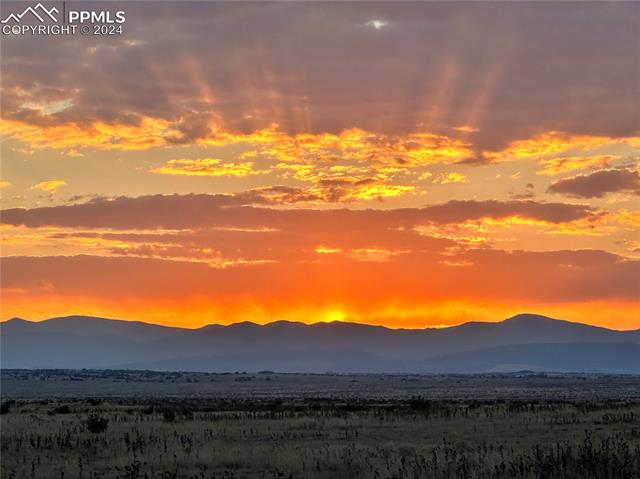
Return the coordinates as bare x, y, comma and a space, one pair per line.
332, 315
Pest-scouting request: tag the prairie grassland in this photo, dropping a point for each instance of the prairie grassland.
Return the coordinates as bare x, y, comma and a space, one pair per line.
320, 438
73, 384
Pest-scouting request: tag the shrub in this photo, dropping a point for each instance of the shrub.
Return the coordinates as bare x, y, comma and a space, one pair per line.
62, 410
6, 406
96, 423
169, 415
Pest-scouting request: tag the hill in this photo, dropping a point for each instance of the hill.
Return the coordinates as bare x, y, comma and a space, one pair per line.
524, 341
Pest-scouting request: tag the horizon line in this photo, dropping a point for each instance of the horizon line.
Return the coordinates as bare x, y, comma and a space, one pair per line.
317, 323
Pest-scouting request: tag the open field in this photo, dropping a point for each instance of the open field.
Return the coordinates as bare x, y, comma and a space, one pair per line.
36, 384
318, 426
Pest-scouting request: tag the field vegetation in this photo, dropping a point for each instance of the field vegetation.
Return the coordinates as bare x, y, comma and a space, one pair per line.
298, 437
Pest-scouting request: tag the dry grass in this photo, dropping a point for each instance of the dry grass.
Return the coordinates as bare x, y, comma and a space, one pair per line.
322, 438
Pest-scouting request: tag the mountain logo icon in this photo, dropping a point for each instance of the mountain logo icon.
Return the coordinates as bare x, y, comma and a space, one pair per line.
39, 11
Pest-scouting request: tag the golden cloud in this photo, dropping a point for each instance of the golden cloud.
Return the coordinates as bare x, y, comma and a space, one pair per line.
447, 178
556, 166
555, 143
351, 144
49, 186
149, 132
348, 189
206, 167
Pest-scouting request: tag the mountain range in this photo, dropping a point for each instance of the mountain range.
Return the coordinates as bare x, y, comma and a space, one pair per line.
523, 342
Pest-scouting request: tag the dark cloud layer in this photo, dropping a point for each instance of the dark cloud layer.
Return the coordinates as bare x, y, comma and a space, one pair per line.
598, 184
509, 69
200, 211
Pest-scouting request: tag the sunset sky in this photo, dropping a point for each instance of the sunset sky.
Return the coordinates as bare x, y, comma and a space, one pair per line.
406, 164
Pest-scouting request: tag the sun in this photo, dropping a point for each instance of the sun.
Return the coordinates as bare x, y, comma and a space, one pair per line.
333, 314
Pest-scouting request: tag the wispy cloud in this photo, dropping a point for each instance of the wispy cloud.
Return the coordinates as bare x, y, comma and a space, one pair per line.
206, 167
49, 186
556, 166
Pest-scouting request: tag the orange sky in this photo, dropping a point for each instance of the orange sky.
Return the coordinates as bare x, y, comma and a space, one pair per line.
410, 165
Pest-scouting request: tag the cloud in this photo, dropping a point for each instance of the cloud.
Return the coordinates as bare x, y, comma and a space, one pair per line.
206, 74
195, 211
447, 178
459, 211
556, 166
598, 184
205, 167
49, 186
227, 235
557, 143
351, 144
143, 133
465, 129
528, 194
345, 189
275, 195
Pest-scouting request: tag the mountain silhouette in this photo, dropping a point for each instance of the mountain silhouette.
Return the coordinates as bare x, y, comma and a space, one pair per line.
525, 341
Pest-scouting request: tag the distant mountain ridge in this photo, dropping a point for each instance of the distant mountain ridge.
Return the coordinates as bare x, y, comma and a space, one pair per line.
525, 341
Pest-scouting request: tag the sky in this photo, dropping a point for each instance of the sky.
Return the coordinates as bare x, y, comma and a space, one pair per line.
403, 164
